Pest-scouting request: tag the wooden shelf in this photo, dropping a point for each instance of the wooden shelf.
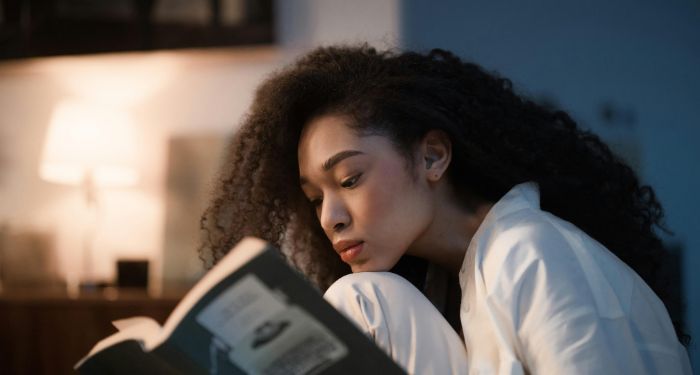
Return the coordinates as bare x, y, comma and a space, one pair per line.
33, 28
47, 333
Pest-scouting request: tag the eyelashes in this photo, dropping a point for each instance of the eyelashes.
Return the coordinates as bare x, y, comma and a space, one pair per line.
348, 183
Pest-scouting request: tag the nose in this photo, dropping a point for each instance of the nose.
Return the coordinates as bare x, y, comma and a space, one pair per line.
334, 214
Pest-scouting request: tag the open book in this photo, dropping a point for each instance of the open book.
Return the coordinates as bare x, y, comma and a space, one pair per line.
251, 314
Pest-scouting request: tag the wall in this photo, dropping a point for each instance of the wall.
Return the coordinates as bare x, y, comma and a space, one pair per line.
642, 57
167, 93
302, 24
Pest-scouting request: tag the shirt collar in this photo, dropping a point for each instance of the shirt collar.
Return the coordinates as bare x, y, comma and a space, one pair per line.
521, 196
525, 195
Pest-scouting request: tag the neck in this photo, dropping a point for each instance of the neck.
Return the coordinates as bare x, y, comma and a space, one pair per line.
446, 240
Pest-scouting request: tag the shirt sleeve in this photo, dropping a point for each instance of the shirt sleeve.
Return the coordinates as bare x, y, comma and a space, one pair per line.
555, 309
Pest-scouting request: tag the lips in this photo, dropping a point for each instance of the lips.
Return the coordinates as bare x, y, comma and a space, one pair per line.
344, 245
348, 249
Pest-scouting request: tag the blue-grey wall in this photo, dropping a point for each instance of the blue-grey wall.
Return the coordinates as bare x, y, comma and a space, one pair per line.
641, 59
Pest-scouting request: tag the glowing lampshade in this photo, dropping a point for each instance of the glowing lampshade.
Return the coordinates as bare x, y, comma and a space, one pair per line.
89, 143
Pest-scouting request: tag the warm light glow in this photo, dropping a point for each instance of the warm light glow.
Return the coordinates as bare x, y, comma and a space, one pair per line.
116, 79
85, 137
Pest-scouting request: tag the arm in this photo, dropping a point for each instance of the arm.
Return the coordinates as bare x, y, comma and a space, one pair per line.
568, 307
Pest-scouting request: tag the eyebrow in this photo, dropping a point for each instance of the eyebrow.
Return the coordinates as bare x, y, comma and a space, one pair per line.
337, 158
333, 160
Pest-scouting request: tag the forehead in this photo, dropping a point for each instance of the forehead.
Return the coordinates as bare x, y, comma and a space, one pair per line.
324, 136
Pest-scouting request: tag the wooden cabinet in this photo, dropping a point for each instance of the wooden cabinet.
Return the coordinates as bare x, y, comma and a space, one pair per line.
48, 334
31, 28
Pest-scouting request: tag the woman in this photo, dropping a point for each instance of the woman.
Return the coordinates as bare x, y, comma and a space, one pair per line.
503, 212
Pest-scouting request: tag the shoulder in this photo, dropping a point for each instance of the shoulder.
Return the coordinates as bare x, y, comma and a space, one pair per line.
533, 253
521, 238
531, 247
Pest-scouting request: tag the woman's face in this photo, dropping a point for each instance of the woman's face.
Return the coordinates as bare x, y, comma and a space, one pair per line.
368, 202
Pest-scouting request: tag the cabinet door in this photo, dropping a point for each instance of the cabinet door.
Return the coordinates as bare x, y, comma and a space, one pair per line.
64, 27
49, 335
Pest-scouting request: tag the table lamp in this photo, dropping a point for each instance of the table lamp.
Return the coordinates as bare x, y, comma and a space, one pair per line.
92, 146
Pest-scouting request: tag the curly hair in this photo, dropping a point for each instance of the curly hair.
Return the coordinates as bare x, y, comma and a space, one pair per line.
499, 139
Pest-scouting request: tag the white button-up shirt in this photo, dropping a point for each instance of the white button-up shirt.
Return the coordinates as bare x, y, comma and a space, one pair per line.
540, 296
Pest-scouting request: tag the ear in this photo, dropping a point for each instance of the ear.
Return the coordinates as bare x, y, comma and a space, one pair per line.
436, 154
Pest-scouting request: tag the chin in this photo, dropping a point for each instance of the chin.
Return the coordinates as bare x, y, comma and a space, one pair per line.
368, 266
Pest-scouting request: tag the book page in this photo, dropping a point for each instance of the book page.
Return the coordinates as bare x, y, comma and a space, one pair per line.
144, 321
141, 328
247, 249
259, 331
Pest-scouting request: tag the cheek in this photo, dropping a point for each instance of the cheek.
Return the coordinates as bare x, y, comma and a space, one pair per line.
388, 201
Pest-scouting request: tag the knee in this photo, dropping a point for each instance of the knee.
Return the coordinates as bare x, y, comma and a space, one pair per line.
400, 320
369, 299
369, 296
373, 285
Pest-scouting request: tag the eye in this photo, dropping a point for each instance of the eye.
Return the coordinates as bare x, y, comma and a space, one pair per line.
350, 182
